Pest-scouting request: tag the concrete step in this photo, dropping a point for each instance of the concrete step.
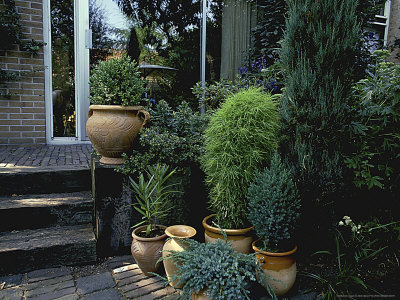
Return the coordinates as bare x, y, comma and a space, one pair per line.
43, 210
44, 180
23, 251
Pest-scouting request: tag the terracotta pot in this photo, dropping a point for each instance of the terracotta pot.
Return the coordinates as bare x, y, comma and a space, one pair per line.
177, 233
113, 128
239, 238
279, 269
147, 251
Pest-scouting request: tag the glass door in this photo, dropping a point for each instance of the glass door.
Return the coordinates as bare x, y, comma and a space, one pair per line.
66, 26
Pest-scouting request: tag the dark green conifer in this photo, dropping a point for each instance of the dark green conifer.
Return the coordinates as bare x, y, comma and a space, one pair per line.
319, 49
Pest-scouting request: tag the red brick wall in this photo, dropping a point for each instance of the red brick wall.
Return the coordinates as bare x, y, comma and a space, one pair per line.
22, 116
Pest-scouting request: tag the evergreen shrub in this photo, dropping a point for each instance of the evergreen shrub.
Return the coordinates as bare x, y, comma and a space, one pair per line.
117, 82
274, 205
318, 56
239, 141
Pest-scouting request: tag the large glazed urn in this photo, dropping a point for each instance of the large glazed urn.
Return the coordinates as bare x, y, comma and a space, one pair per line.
279, 269
112, 129
177, 233
240, 239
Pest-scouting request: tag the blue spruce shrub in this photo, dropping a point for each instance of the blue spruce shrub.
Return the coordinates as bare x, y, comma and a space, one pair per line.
274, 205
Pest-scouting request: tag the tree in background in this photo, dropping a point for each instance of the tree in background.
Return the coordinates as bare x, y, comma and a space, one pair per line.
172, 31
268, 32
318, 55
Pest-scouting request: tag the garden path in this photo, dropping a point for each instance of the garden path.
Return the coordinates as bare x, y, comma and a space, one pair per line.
115, 278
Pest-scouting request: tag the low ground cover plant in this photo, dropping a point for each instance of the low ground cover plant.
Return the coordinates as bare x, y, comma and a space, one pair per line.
215, 269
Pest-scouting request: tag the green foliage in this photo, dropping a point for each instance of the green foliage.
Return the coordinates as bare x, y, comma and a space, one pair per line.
215, 268
152, 195
274, 205
376, 127
174, 138
10, 28
116, 82
318, 55
269, 79
239, 142
356, 246
269, 30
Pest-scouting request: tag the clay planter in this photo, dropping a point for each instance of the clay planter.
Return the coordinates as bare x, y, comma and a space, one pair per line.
113, 128
279, 269
200, 296
177, 233
240, 238
147, 251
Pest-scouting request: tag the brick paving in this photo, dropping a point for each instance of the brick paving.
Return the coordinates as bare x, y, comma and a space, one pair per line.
46, 156
116, 278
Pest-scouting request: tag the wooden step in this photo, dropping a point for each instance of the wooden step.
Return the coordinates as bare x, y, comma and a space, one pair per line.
43, 210
23, 251
41, 180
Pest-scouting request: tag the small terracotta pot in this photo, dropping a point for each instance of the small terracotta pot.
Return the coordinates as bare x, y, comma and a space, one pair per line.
239, 238
279, 269
177, 233
147, 251
112, 129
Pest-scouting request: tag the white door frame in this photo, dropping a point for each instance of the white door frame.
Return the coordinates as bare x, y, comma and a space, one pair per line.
81, 56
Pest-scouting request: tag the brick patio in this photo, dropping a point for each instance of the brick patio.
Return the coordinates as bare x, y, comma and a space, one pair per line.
45, 156
116, 278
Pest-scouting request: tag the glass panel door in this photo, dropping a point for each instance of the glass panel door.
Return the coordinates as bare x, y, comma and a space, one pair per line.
63, 68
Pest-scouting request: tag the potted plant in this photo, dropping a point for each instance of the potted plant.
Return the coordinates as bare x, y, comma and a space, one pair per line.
239, 141
115, 116
152, 202
274, 209
213, 271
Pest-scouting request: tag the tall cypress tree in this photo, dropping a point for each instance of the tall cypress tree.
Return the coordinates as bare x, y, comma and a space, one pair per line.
319, 49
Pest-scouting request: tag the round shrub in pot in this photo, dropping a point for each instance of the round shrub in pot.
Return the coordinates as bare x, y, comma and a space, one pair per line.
115, 116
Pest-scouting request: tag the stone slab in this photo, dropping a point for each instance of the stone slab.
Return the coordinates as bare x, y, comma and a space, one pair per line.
10, 281
47, 289
55, 246
14, 293
44, 274
64, 292
43, 210
90, 284
109, 294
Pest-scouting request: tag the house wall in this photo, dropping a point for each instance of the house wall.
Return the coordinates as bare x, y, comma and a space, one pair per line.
22, 115
394, 26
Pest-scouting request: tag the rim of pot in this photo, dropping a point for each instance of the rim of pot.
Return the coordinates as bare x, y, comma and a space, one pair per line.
256, 249
240, 231
114, 107
145, 239
180, 231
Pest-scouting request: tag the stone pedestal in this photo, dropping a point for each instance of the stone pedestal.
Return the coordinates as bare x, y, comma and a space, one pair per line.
113, 212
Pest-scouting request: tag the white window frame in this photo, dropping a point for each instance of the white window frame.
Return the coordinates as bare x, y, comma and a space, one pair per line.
383, 20
81, 26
